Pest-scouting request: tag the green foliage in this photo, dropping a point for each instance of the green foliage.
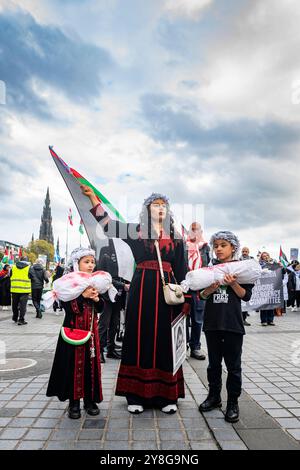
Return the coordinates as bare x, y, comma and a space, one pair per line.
40, 247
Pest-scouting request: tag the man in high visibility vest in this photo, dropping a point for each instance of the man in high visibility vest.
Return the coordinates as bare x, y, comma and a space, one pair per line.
20, 288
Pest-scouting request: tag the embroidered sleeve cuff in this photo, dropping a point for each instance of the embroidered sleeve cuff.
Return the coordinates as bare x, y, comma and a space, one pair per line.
97, 211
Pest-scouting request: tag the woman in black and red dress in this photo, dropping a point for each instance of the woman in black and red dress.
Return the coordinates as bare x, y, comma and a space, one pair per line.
146, 372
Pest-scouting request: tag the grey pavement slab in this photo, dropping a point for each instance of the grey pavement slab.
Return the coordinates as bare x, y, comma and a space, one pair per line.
269, 404
268, 439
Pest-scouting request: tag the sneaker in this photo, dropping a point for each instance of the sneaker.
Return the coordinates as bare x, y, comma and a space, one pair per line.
91, 408
271, 323
232, 412
5, 307
264, 324
197, 354
294, 309
135, 409
169, 409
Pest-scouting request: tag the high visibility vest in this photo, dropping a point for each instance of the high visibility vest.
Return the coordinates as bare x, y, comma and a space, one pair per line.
19, 281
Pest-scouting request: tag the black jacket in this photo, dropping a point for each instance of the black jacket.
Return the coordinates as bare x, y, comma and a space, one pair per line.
38, 275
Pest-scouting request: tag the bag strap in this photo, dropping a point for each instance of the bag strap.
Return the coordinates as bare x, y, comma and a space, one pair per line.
159, 262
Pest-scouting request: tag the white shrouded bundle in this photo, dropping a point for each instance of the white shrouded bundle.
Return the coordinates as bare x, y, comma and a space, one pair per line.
247, 272
70, 286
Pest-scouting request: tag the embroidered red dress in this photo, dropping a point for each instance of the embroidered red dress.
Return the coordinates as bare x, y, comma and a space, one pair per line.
75, 374
145, 375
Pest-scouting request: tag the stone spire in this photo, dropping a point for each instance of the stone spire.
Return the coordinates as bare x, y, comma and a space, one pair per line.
46, 232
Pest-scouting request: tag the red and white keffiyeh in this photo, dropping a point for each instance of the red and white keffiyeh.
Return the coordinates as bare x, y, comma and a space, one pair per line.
194, 254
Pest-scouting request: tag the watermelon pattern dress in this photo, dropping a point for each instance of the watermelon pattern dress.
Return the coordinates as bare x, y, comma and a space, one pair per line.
76, 373
146, 371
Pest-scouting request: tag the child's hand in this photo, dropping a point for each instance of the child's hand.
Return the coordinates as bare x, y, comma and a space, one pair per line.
229, 279
212, 288
95, 295
88, 292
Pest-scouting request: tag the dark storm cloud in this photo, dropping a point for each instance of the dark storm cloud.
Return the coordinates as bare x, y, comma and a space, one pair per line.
30, 51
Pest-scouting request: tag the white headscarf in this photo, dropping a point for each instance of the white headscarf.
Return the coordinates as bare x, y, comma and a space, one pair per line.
75, 257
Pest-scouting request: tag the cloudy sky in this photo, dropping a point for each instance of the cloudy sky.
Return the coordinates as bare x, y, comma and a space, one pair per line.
198, 99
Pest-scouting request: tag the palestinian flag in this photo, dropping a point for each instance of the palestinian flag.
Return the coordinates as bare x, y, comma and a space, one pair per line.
98, 240
81, 231
282, 258
5, 257
70, 217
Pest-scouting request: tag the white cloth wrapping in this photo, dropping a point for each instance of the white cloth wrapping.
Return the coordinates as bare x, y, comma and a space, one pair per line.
70, 286
247, 272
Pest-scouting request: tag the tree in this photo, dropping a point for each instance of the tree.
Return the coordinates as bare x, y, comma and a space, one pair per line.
40, 247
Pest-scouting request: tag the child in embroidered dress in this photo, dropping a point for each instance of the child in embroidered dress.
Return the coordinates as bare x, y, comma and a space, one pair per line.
76, 370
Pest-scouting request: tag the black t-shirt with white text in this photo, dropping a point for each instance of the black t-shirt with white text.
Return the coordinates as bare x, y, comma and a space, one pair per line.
223, 311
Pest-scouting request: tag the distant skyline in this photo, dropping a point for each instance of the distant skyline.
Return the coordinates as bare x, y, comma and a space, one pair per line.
198, 99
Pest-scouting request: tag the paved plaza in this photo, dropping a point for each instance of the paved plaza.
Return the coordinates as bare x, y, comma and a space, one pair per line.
270, 403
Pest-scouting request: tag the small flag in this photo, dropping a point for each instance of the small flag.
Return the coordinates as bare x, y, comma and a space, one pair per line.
11, 257
81, 230
282, 258
5, 257
20, 252
56, 256
70, 217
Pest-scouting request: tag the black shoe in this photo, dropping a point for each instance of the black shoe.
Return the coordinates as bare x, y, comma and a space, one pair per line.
74, 409
22, 322
232, 412
39, 315
113, 354
196, 354
102, 358
91, 408
211, 403
246, 323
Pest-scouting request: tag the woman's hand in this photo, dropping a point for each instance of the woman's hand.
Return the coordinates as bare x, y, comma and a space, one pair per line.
229, 279
88, 192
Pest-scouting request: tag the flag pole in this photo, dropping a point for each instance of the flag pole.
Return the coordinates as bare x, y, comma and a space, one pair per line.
67, 240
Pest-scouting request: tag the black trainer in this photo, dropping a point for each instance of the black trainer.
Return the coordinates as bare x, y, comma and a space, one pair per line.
232, 412
91, 408
102, 357
113, 354
74, 409
197, 354
211, 402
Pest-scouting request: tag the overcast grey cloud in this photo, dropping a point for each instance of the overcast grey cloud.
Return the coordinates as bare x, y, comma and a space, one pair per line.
170, 123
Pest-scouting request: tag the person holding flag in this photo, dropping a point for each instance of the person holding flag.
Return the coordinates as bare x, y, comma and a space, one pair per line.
146, 372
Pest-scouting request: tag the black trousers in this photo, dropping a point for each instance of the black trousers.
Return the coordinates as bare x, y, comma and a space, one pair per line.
108, 325
294, 296
267, 316
228, 346
36, 298
19, 304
